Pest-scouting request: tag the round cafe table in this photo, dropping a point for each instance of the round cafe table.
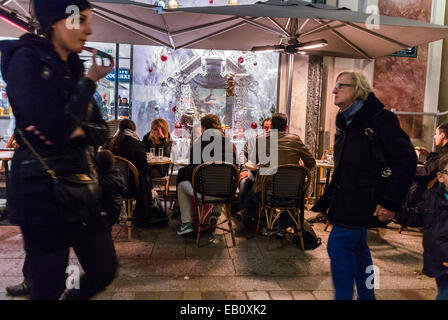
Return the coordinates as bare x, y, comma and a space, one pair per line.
156, 161
252, 166
6, 156
326, 165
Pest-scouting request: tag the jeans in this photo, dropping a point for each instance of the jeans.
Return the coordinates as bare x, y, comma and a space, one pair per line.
350, 259
185, 196
442, 286
245, 187
47, 255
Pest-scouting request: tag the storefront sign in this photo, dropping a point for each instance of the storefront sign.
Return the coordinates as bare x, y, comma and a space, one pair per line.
124, 75
406, 53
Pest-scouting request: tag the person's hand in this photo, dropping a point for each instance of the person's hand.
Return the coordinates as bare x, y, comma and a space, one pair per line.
383, 214
78, 132
445, 264
244, 175
97, 72
422, 150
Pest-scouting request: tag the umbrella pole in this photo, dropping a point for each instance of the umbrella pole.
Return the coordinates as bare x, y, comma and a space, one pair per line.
290, 71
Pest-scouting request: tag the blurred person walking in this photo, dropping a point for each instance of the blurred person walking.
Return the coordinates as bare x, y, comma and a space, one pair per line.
57, 116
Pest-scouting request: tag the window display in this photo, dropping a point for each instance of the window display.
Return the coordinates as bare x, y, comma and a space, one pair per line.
181, 84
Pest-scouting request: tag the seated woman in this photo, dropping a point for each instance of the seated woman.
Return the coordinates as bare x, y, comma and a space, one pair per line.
158, 137
126, 144
185, 188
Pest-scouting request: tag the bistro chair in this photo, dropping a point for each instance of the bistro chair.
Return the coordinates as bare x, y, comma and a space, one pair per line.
214, 183
129, 173
284, 192
112, 125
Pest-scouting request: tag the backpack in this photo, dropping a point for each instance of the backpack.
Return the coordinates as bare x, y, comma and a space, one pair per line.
310, 239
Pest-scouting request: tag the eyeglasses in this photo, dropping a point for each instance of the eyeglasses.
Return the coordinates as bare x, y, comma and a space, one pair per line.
340, 85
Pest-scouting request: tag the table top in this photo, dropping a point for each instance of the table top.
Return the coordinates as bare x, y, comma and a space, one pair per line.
156, 161
324, 164
6, 155
182, 162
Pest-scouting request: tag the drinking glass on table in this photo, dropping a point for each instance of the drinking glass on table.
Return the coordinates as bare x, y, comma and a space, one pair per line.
160, 153
152, 153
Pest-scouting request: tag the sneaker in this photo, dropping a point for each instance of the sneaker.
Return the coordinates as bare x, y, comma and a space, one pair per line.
22, 289
185, 228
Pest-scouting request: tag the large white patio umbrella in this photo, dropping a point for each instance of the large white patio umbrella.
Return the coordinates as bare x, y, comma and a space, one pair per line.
290, 27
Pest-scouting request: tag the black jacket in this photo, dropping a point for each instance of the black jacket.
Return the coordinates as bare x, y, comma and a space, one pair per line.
54, 97
111, 187
423, 176
432, 215
228, 152
134, 151
363, 150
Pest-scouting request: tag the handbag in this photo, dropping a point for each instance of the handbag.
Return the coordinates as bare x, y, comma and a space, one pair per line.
71, 191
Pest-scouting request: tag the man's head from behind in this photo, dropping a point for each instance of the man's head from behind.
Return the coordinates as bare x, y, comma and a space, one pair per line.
279, 121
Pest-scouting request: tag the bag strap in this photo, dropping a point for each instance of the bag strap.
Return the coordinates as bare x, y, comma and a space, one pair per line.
38, 157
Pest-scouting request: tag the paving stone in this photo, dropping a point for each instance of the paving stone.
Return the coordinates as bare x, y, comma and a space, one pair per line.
315, 267
236, 295
268, 267
213, 267
307, 283
193, 252
103, 296
123, 296
225, 283
245, 253
302, 295
7, 264
213, 295
162, 253
324, 294
171, 295
134, 250
140, 267
280, 295
157, 283
192, 295
178, 267
147, 296
258, 295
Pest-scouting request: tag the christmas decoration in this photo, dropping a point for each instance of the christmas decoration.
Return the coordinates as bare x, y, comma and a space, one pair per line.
150, 69
210, 1
254, 125
230, 85
163, 58
255, 63
178, 125
174, 109
240, 60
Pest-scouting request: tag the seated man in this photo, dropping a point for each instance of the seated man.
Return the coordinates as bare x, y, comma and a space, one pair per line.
247, 177
200, 149
424, 174
291, 150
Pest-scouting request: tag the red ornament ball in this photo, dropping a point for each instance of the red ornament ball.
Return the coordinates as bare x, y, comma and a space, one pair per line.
150, 69
255, 63
174, 109
163, 58
210, 1
178, 125
253, 125
240, 60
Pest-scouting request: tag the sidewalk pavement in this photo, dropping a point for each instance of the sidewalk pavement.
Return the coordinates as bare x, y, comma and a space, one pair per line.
159, 264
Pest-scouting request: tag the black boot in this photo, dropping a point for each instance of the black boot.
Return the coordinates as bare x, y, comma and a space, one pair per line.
22, 289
